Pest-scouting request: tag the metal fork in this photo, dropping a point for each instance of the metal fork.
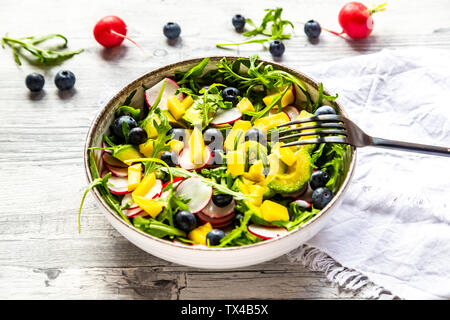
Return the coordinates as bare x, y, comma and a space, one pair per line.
338, 129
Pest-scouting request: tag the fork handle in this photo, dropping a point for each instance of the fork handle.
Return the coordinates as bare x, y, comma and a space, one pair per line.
412, 147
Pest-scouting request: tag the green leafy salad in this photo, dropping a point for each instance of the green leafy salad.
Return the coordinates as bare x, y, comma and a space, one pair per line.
200, 163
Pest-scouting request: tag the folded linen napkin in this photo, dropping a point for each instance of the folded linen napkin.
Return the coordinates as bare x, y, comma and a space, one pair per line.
393, 226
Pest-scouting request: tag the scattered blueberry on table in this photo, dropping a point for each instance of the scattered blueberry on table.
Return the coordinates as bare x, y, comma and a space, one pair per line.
65, 80
35, 82
276, 48
312, 29
238, 22
172, 30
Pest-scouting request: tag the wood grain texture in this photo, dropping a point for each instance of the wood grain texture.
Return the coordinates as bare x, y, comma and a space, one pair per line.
42, 136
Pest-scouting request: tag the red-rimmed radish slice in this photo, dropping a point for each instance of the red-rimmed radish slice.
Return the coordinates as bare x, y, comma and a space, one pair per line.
303, 204
213, 211
216, 222
176, 182
265, 232
184, 160
133, 213
198, 192
224, 116
117, 185
117, 171
152, 93
127, 199
292, 112
106, 146
154, 191
109, 159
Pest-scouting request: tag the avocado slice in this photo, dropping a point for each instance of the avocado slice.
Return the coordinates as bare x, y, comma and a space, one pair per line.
126, 152
290, 179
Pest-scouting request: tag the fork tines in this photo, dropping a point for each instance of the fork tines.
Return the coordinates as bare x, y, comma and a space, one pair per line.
330, 129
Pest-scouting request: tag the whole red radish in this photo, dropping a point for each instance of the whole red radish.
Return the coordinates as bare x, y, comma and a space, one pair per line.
110, 31
356, 19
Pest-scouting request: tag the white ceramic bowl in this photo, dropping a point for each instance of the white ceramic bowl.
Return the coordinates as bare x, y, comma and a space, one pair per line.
200, 256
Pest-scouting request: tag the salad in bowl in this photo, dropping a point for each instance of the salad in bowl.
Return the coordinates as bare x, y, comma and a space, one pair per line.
191, 157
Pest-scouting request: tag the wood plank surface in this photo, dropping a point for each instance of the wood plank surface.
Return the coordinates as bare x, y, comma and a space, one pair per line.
42, 136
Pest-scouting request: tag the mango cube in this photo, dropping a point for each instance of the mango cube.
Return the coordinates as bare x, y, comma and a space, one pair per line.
151, 206
146, 148
145, 185
287, 99
236, 162
134, 176
175, 107
272, 211
198, 235
245, 105
269, 122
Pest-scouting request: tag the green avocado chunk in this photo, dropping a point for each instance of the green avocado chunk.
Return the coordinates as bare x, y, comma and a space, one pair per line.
293, 178
126, 152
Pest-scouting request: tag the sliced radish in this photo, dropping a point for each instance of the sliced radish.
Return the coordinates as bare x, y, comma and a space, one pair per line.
216, 222
176, 182
292, 112
154, 191
184, 161
152, 94
133, 213
117, 185
106, 146
224, 116
117, 171
265, 232
213, 211
303, 204
127, 199
109, 159
198, 192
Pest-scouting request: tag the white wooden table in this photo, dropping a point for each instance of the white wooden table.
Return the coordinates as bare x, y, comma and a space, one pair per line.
41, 140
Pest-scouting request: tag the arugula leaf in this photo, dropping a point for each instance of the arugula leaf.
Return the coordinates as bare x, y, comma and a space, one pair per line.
274, 32
322, 96
156, 228
45, 57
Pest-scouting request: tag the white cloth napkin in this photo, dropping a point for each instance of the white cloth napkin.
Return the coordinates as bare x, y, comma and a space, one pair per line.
394, 222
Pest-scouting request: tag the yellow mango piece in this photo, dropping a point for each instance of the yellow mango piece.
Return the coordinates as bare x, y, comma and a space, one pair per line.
146, 184
287, 155
239, 127
134, 176
176, 146
197, 146
187, 102
257, 192
198, 235
271, 121
146, 148
175, 107
235, 163
245, 105
255, 172
272, 211
286, 100
151, 206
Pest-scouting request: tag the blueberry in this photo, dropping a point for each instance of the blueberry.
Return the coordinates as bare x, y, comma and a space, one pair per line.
214, 237
222, 200
231, 94
238, 22
118, 123
321, 197
254, 134
318, 179
172, 30
178, 134
324, 110
137, 136
65, 80
170, 158
237, 219
312, 29
35, 82
276, 48
185, 220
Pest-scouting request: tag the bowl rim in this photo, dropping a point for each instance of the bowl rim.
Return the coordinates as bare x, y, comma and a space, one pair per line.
111, 99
